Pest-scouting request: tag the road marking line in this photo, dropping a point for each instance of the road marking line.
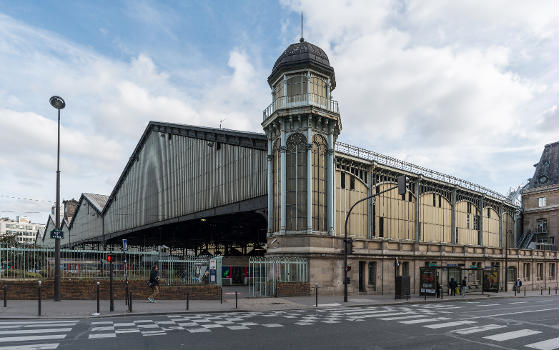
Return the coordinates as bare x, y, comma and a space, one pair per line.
35, 322
118, 331
519, 302
478, 329
515, 313
131, 324
272, 325
32, 337
50, 325
512, 335
390, 314
489, 304
102, 322
401, 317
35, 331
549, 344
448, 324
105, 328
31, 347
424, 320
198, 330
236, 328
328, 305
102, 335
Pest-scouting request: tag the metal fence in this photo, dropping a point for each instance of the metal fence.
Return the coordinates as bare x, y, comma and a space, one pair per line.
266, 272
34, 263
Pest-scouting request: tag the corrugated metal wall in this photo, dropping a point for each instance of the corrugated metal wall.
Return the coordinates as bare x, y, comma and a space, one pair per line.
177, 175
87, 223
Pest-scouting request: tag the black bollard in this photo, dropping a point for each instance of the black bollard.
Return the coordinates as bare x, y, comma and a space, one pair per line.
524, 291
39, 299
541, 290
98, 306
187, 301
111, 296
514, 290
126, 294
130, 301
316, 296
236, 302
442, 296
549, 291
425, 296
6, 295
221, 295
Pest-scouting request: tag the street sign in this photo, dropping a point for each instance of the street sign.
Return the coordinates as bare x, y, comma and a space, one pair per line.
56, 233
124, 245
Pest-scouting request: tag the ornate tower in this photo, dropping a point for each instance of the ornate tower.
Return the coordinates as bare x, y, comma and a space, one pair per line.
302, 124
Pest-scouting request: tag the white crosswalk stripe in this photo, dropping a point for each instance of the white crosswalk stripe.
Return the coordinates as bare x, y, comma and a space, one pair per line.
31, 335
512, 335
448, 324
478, 329
549, 344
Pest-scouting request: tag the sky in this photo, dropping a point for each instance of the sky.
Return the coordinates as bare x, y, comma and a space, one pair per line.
468, 88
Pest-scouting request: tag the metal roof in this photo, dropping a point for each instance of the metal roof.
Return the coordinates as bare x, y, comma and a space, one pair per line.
547, 169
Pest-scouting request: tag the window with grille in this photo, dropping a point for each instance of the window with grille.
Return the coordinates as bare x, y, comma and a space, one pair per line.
296, 177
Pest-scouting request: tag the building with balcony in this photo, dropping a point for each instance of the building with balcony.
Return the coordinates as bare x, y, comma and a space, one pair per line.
540, 203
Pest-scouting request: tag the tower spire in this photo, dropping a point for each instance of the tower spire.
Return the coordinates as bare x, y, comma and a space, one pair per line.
302, 39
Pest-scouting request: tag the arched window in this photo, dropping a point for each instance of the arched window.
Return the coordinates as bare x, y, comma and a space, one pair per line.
276, 186
296, 175
319, 175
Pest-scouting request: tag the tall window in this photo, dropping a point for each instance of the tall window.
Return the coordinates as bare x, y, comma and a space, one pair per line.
551, 271
541, 225
541, 202
319, 169
539, 272
373, 274
511, 274
296, 192
297, 89
405, 268
276, 173
526, 272
318, 91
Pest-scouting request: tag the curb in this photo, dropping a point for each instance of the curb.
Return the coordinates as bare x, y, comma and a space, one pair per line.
301, 307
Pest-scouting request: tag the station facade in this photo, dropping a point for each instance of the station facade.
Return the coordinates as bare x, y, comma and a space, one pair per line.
287, 192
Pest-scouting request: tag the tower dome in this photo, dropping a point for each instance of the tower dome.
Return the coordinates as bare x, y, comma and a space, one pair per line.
302, 55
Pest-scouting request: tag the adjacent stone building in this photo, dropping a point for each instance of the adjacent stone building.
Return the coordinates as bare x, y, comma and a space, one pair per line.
540, 202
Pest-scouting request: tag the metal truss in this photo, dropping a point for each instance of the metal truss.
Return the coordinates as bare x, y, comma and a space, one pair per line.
419, 170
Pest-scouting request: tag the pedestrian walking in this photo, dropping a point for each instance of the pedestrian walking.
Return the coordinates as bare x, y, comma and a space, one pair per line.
452, 285
517, 285
463, 285
154, 283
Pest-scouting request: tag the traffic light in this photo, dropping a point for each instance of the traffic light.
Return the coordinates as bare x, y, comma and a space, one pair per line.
348, 268
402, 185
109, 258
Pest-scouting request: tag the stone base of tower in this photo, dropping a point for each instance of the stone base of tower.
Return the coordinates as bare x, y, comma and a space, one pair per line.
373, 269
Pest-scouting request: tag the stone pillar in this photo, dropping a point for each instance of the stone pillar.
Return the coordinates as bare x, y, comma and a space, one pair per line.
417, 209
453, 216
501, 226
328, 94
309, 178
331, 187
480, 232
283, 178
270, 158
515, 233
284, 91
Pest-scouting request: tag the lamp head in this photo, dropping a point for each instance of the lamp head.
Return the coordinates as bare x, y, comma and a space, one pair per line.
57, 102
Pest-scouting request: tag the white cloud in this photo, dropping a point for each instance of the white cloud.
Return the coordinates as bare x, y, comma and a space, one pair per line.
445, 84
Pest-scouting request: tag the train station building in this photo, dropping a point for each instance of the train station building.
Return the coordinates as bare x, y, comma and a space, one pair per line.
286, 192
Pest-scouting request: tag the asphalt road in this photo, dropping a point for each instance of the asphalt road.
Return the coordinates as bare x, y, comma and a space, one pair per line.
522, 323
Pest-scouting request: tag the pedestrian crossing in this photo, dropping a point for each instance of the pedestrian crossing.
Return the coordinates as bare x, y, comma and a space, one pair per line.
34, 335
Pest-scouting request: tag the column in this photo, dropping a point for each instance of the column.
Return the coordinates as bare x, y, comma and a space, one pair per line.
515, 233
309, 177
501, 226
480, 232
331, 187
270, 188
453, 216
328, 94
283, 178
417, 211
308, 89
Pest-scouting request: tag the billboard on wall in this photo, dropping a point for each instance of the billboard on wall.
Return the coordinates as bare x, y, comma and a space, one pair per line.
491, 280
427, 281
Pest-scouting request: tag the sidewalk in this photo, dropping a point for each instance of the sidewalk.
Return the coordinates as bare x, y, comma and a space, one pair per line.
18, 309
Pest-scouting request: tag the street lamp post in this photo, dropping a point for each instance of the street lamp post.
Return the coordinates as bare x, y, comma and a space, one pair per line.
402, 180
58, 103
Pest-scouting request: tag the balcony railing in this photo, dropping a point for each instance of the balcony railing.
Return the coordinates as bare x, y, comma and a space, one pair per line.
300, 101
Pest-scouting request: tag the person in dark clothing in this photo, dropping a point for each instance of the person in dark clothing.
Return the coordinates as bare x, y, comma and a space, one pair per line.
517, 285
464, 285
452, 285
154, 283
